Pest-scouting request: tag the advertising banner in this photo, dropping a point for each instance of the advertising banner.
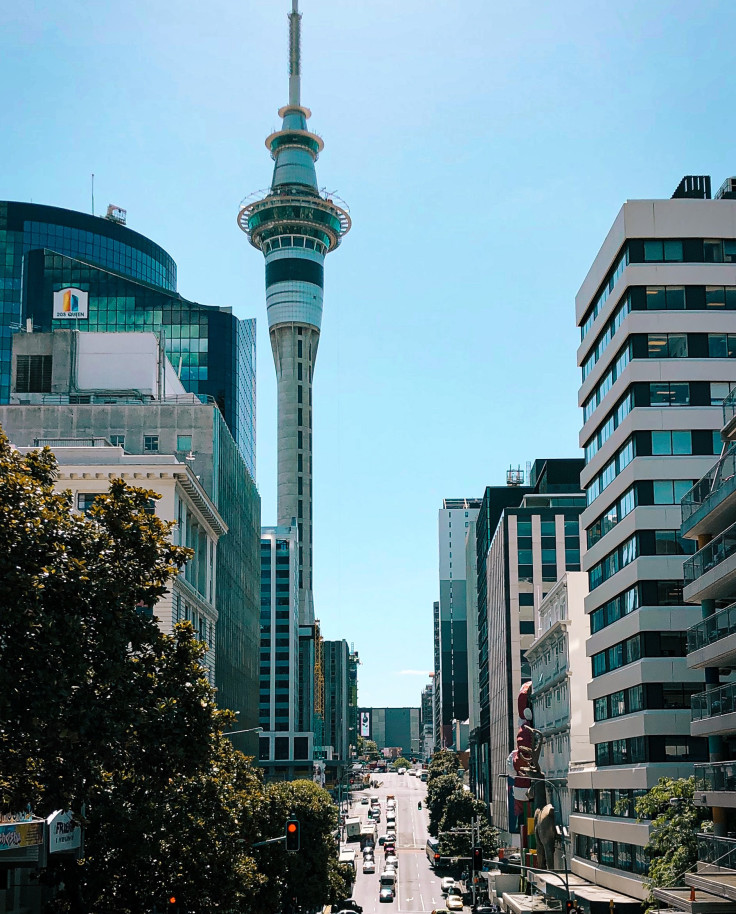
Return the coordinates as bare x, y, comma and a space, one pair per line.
64, 834
20, 834
71, 304
365, 724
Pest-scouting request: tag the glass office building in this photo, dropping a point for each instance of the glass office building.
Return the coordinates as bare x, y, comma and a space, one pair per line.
131, 285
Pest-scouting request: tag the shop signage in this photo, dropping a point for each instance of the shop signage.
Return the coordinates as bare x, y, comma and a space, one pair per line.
20, 834
64, 833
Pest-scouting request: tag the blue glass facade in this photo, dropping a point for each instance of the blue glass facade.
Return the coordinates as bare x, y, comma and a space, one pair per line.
131, 284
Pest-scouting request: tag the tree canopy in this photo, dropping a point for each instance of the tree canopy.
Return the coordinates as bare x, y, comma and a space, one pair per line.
439, 790
461, 809
401, 762
104, 715
443, 762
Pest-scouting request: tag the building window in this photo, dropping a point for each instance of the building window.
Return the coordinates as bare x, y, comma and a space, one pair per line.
85, 500
33, 374
184, 443
117, 441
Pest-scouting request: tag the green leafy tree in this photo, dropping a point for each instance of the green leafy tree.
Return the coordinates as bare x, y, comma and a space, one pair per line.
312, 877
443, 762
370, 750
439, 791
461, 809
102, 714
401, 763
675, 823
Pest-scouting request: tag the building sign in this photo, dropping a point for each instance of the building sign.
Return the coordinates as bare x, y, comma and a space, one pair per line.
70, 304
20, 834
365, 724
64, 833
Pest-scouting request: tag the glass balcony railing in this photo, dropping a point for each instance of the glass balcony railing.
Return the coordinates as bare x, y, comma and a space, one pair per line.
729, 407
719, 474
717, 550
712, 629
717, 851
714, 702
716, 776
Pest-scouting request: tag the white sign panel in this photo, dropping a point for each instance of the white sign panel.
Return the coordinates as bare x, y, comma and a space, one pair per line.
64, 835
365, 724
70, 304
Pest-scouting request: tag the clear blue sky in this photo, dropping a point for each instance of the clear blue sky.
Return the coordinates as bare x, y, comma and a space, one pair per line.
484, 150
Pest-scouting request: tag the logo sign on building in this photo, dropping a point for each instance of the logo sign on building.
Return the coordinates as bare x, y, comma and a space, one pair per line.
64, 834
70, 304
365, 724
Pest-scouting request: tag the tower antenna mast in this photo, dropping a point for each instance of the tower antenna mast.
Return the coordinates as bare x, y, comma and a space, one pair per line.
295, 54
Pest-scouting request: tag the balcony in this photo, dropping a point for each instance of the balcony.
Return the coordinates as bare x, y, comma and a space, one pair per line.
712, 642
714, 851
715, 784
713, 568
708, 506
714, 711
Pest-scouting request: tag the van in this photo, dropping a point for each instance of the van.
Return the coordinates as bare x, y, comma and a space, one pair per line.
388, 879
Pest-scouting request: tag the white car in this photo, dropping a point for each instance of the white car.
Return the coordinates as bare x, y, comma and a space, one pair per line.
454, 903
369, 865
389, 837
386, 894
412, 773
392, 861
447, 883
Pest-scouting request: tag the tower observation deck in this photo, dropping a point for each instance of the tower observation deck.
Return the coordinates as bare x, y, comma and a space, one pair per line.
295, 225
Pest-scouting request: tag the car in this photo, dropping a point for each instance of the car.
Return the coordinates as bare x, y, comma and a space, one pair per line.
401, 771
447, 883
386, 894
455, 902
369, 865
392, 860
364, 801
382, 840
368, 851
412, 773
389, 850
389, 837
486, 909
389, 871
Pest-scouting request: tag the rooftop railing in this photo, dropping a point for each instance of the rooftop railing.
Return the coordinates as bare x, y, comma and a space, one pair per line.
714, 702
712, 629
718, 475
717, 551
715, 776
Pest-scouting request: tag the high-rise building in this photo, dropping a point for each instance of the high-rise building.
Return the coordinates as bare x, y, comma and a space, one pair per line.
709, 517
284, 751
437, 692
455, 516
534, 543
335, 657
295, 226
471, 591
117, 280
426, 719
395, 728
113, 387
353, 664
656, 325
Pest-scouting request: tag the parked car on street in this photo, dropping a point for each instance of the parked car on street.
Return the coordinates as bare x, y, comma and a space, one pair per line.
455, 902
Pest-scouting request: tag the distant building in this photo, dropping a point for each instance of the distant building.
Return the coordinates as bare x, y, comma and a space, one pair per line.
560, 672
119, 281
437, 692
86, 469
471, 590
284, 751
534, 542
336, 714
120, 387
353, 664
426, 719
455, 516
395, 727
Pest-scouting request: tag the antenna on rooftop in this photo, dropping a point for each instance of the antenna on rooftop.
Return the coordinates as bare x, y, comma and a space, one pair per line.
93, 193
295, 54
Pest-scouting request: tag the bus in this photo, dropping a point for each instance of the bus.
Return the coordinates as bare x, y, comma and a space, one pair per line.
433, 852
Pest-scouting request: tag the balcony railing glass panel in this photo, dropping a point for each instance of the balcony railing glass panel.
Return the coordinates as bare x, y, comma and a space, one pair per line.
718, 851
712, 629
716, 776
714, 702
717, 551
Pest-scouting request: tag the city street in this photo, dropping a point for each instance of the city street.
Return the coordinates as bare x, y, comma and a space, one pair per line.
418, 889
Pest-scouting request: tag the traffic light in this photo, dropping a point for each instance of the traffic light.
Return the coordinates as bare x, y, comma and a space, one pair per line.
477, 859
292, 834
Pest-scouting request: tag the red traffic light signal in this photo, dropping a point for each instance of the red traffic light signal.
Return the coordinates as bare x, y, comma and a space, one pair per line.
477, 859
292, 834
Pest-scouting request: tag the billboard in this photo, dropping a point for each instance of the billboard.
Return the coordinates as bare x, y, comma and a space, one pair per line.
365, 724
70, 304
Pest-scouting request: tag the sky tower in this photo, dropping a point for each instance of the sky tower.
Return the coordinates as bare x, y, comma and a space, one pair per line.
295, 225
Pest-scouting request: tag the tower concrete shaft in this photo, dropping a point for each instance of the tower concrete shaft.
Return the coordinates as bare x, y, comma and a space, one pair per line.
295, 226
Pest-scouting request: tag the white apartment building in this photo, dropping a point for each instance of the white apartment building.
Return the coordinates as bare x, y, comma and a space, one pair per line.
87, 472
560, 671
657, 313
